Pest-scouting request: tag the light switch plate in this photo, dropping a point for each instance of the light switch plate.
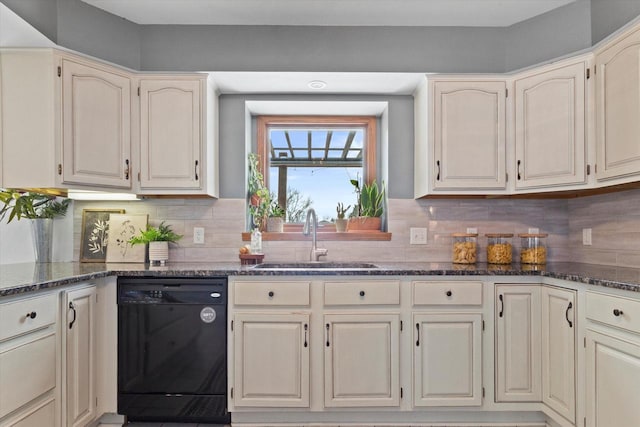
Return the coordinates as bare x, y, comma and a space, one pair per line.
534, 230
586, 236
418, 236
198, 235
472, 230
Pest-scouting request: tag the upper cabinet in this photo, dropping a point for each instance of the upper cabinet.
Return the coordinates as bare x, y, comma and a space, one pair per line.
96, 125
176, 145
550, 108
79, 123
618, 108
466, 139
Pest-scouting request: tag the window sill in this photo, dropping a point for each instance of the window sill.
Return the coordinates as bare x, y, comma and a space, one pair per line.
322, 236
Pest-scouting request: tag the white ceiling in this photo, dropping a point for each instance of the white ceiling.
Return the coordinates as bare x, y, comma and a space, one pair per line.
471, 13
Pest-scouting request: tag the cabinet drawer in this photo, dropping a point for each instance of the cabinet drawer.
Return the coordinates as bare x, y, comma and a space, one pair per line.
26, 372
14, 319
38, 417
271, 293
615, 311
362, 292
447, 293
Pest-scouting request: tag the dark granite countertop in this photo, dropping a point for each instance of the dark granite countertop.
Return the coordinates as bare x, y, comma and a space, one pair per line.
28, 277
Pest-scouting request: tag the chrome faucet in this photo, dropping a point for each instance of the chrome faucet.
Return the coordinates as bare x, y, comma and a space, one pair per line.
315, 252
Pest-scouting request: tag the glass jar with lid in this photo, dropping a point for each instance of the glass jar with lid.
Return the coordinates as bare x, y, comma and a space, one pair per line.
533, 248
499, 248
465, 248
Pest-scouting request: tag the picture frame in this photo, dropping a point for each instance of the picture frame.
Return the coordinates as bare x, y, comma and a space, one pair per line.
121, 228
95, 233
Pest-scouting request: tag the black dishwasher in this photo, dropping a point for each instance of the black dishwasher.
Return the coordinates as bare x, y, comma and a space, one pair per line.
172, 349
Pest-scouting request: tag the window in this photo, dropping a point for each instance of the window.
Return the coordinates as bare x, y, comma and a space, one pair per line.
308, 161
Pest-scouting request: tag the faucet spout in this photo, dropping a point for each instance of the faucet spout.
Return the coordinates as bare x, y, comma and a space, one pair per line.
312, 222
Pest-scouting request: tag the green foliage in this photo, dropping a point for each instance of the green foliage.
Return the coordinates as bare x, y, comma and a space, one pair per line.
31, 205
162, 233
370, 199
341, 210
259, 196
275, 210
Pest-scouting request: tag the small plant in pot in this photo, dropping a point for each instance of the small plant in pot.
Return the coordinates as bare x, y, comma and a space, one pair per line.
158, 239
275, 218
41, 209
341, 221
259, 196
366, 215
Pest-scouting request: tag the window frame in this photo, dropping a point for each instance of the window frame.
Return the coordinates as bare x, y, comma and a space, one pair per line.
369, 123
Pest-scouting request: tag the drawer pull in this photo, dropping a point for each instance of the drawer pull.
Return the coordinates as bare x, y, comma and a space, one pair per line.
617, 312
271, 294
449, 293
418, 334
501, 306
31, 315
306, 329
361, 293
566, 314
72, 307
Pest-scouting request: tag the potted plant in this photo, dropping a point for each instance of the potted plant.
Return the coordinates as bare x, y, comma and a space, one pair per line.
259, 196
41, 209
158, 240
275, 218
366, 215
341, 221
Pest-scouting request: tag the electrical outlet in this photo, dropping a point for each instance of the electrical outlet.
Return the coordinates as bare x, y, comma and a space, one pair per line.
198, 235
418, 236
534, 230
586, 236
472, 230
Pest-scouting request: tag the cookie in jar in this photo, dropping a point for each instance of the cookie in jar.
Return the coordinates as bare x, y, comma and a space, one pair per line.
499, 248
465, 248
533, 249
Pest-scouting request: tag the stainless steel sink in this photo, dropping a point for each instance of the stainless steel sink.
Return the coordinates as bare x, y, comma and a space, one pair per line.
315, 266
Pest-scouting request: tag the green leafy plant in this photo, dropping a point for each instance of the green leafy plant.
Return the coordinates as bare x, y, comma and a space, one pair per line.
31, 205
259, 195
275, 210
162, 233
370, 199
341, 210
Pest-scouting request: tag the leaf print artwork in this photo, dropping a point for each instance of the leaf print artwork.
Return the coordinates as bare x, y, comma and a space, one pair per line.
121, 229
95, 234
98, 237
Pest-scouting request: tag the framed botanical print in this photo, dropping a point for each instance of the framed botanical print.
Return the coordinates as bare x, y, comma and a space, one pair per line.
121, 229
95, 234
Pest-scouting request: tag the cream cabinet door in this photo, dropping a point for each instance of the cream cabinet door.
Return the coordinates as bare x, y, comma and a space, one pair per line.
447, 359
613, 378
518, 343
170, 134
469, 128
618, 108
361, 360
271, 361
96, 126
550, 127
559, 351
79, 337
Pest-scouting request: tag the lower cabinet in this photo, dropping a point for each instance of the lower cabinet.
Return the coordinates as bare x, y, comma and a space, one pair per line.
613, 360
271, 363
39, 416
447, 362
518, 343
79, 356
559, 351
361, 360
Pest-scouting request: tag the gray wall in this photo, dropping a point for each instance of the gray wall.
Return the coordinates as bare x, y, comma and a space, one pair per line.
232, 140
553, 34
291, 48
86, 29
609, 15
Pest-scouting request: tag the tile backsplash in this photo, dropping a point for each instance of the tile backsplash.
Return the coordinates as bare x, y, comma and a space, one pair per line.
224, 221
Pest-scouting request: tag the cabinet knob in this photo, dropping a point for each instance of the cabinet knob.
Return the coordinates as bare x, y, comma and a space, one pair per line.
361, 293
617, 312
31, 315
271, 294
449, 293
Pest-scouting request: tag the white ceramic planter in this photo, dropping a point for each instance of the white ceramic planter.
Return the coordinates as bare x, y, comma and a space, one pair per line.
158, 252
